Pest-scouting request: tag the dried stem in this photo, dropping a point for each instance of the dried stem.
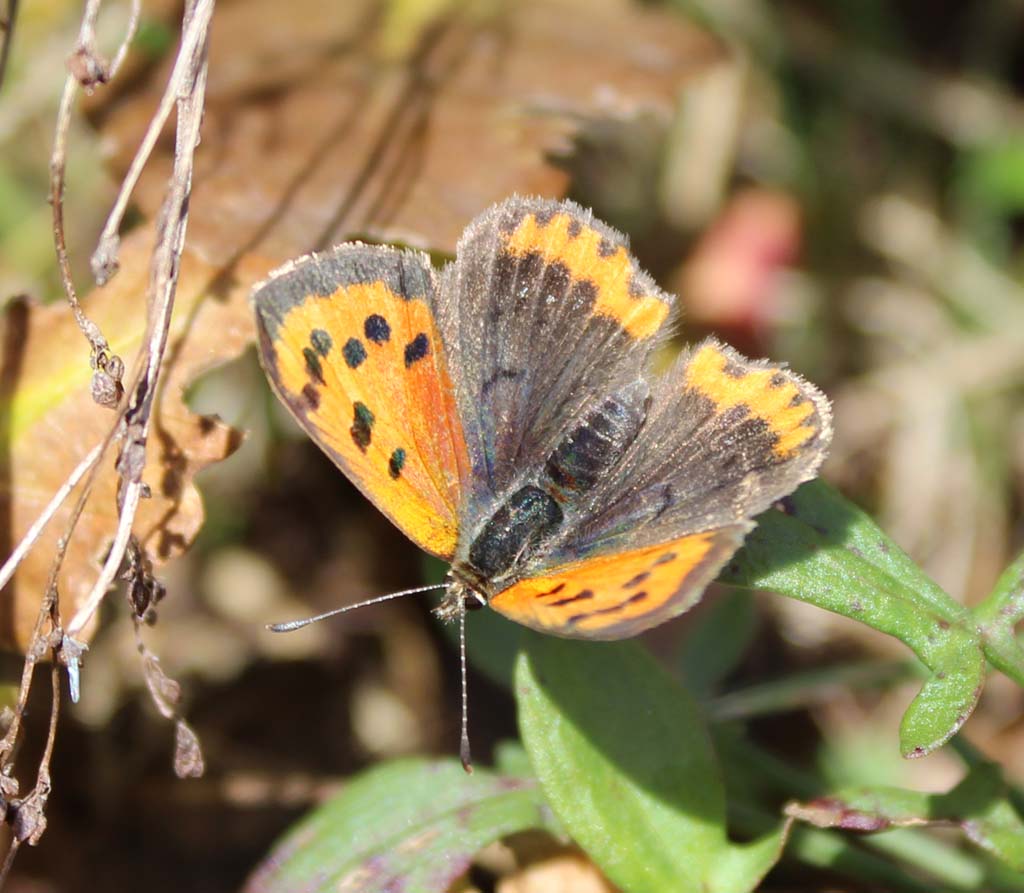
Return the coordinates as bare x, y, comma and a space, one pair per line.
7, 20
9, 860
86, 69
58, 164
128, 508
126, 41
187, 86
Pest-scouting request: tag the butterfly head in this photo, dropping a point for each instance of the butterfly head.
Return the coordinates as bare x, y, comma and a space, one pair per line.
459, 596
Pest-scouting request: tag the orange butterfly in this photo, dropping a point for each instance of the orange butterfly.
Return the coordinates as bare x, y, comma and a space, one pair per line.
502, 413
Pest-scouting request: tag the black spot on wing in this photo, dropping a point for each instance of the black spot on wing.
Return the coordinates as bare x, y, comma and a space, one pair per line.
313, 366
362, 426
312, 396
580, 596
376, 329
553, 591
354, 353
417, 349
396, 463
667, 498
637, 580
499, 375
611, 609
321, 342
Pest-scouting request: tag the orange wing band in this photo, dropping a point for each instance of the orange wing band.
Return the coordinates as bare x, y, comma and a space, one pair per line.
588, 255
615, 596
767, 393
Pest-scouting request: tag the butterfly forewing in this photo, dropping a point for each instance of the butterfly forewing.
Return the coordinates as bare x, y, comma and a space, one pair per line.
350, 343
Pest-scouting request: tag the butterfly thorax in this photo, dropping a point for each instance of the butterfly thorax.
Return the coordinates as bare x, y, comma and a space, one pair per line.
525, 522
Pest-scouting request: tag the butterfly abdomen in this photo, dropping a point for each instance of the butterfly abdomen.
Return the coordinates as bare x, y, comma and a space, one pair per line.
595, 446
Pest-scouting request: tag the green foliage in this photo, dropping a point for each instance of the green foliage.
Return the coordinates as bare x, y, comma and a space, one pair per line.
626, 763
826, 552
413, 823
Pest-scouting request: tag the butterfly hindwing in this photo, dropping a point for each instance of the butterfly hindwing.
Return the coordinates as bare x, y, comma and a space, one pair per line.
349, 341
623, 593
545, 313
725, 438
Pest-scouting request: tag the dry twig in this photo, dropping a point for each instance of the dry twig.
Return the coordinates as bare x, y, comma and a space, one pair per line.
186, 88
7, 20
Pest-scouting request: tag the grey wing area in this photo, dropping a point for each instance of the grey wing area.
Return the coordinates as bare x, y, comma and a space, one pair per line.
544, 314
725, 438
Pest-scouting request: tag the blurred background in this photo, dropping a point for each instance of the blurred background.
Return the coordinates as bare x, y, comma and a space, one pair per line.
838, 185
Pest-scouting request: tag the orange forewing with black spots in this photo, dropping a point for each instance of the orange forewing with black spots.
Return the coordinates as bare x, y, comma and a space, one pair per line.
621, 594
360, 364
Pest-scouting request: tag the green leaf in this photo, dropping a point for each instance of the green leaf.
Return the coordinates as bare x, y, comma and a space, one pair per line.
799, 689
826, 552
627, 765
412, 823
716, 640
993, 177
905, 860
978, 805
997, 617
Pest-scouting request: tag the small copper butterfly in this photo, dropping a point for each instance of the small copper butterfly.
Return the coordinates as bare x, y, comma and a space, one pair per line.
502, 413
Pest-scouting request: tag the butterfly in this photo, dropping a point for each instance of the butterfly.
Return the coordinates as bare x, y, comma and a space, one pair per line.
502, 412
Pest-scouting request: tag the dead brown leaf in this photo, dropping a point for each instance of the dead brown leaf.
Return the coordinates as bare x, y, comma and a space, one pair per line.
327, 121
49, 422
321, 123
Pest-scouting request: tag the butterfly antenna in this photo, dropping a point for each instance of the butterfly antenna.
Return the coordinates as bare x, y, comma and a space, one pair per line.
290, 625
464, 754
